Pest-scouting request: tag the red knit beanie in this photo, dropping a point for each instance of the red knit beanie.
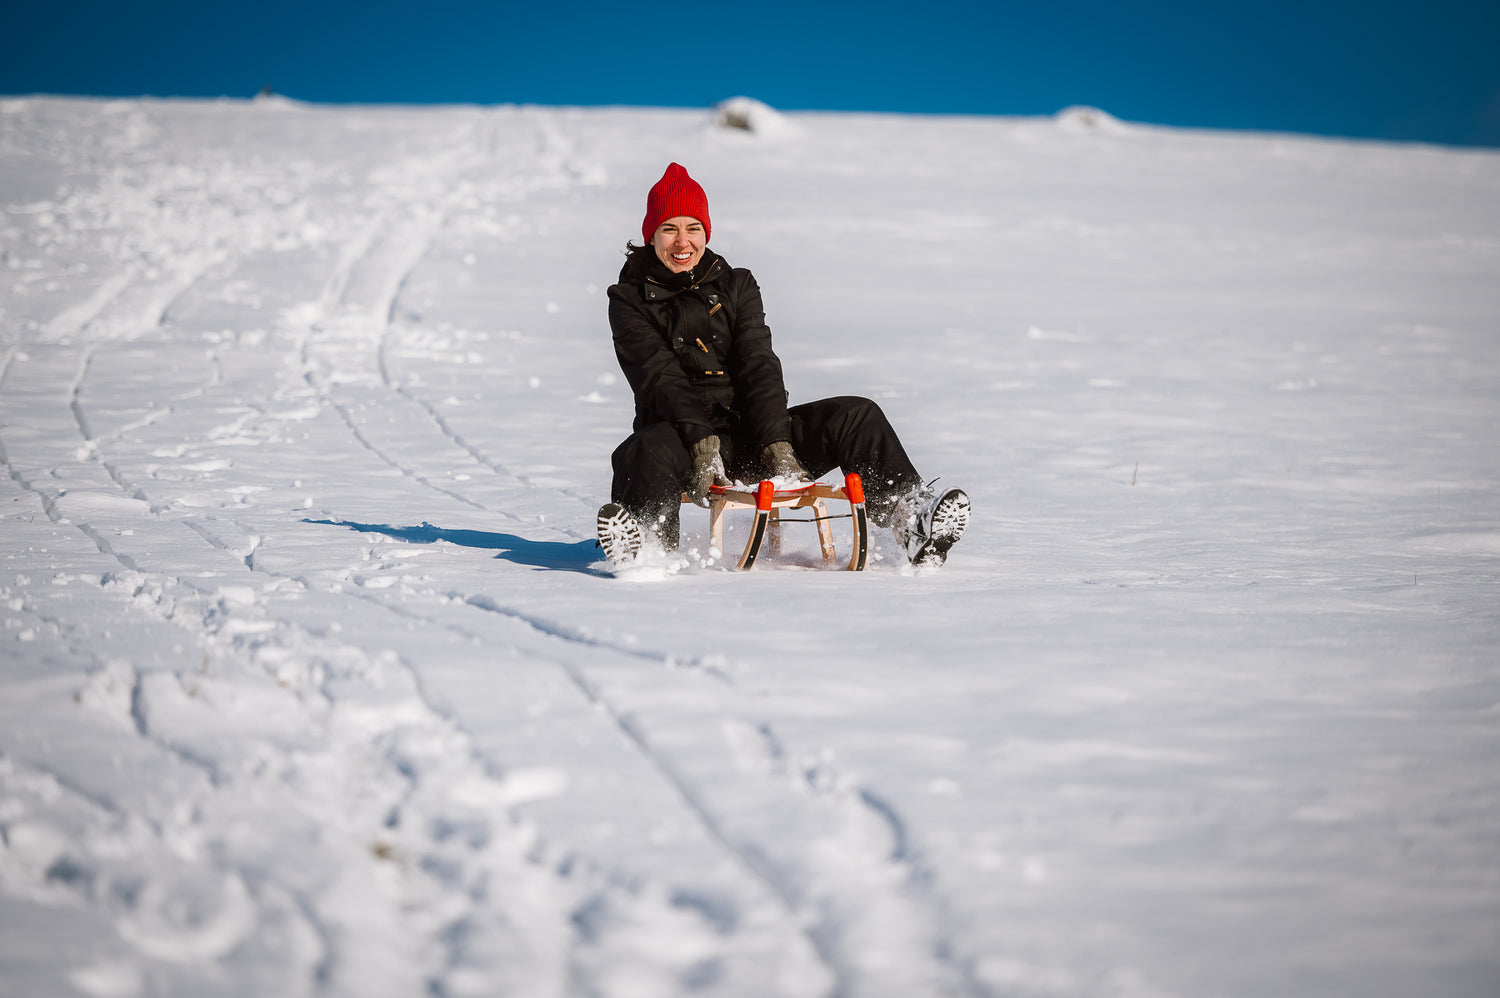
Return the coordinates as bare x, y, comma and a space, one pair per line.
675, 194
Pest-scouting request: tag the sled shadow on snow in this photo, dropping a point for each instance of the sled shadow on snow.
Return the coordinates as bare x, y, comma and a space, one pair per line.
573, 556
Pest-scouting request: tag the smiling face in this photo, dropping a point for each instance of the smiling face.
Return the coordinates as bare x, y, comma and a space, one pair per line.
679, 243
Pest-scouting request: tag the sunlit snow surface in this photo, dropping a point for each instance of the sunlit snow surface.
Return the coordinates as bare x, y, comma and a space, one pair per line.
312, 681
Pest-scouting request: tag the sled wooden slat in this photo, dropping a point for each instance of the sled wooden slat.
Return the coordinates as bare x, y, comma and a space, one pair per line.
768, 502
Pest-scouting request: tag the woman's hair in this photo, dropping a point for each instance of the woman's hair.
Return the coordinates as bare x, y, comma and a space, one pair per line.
637, 256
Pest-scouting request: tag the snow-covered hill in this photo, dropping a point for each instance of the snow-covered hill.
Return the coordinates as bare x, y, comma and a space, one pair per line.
312, 681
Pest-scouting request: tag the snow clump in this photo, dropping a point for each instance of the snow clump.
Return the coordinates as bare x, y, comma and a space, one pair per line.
1081, 119
750, 115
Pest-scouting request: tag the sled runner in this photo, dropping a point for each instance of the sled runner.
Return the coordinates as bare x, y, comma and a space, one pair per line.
768, 501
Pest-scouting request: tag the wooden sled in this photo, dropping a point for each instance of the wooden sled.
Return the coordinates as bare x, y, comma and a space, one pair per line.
768, 502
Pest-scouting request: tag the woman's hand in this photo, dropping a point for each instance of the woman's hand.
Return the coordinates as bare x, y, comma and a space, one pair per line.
781, 461
708, 470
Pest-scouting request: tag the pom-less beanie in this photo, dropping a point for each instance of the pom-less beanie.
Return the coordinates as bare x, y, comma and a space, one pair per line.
675, 194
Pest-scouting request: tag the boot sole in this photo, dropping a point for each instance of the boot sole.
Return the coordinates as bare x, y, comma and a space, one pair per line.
619, 534
950, 518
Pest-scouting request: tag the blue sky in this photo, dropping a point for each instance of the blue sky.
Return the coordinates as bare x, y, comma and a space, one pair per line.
1376, 69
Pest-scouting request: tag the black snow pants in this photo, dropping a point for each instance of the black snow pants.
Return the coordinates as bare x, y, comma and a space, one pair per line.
652, 467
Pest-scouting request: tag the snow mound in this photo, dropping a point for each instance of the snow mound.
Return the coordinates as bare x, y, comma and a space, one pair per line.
749, 115
1080, 119
271, 100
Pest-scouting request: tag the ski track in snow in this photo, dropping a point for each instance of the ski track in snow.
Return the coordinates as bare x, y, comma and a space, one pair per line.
267, 739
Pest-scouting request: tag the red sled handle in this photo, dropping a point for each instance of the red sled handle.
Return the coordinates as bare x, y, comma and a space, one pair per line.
854, 490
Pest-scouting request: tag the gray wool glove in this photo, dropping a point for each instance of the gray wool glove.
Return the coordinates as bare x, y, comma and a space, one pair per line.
781, 461
708, 469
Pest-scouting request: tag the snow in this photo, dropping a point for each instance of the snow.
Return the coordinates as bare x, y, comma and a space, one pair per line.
313, 681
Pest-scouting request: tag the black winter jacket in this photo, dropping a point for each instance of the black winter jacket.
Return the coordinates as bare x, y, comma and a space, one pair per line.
696, 350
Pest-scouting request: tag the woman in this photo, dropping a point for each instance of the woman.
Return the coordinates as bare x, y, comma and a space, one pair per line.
710, 407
